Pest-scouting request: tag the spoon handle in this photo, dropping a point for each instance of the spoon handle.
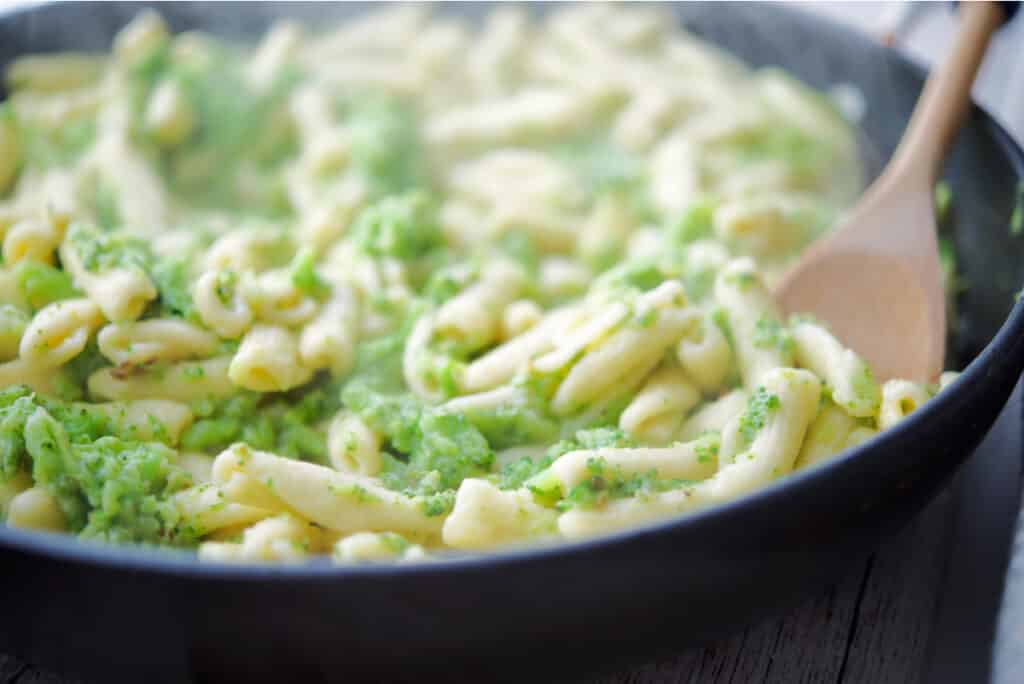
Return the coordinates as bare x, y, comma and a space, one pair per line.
947, 95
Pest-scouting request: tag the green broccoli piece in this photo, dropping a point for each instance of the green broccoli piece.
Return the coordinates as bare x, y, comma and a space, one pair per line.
402, 226
174, 285
276, 422
638, 275
515, 474
430, 450
695, 223
42, 284
109, 489
506, 426
305, 277
385, 145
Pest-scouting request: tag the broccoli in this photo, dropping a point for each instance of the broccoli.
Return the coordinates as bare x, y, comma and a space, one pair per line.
304, 276
385, 144
278, 422
42, 284
401, 226
109, 489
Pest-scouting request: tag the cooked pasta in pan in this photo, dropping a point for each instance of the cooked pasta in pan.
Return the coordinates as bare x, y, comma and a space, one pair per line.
411, 286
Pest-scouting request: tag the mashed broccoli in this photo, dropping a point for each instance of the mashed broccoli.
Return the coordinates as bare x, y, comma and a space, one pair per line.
401, 226
107, 487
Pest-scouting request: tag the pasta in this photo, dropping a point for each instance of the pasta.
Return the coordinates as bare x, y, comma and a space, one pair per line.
35, 509
58, 333
376, 546
401, 288
268, 360
156, 339
353, 446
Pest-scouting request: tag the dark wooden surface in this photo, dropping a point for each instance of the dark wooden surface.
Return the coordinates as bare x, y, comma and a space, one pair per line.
921, 609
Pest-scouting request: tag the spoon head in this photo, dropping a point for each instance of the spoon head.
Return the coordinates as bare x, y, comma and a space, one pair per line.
889, 309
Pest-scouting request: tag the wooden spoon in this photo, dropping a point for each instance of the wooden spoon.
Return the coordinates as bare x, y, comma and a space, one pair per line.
876, 279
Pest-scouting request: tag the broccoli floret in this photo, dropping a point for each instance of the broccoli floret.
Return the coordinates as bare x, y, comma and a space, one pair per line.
707, 446
606, 168
82, 424
638, 275
430, 451
519, 245
277, 422
304, 275
594, 438
506, 426
236, 125
806, 156
171, 278
402, 226
450, 445
16, 405
42, 284
448, 281
45, 147
394, 415
515, 474
693, 225
109, 489
385, 144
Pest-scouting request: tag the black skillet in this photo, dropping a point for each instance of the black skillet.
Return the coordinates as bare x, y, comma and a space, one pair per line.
127, 614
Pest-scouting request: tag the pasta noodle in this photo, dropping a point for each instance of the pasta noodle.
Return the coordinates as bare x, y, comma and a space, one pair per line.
485, 516
268, 360
759, 342
220, 305
58, 333
353, 446
656, 413
900, 398
35, 509
336, 501
156, 339
183, 381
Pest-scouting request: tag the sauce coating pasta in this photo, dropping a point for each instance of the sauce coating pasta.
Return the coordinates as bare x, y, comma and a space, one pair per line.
411, 286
